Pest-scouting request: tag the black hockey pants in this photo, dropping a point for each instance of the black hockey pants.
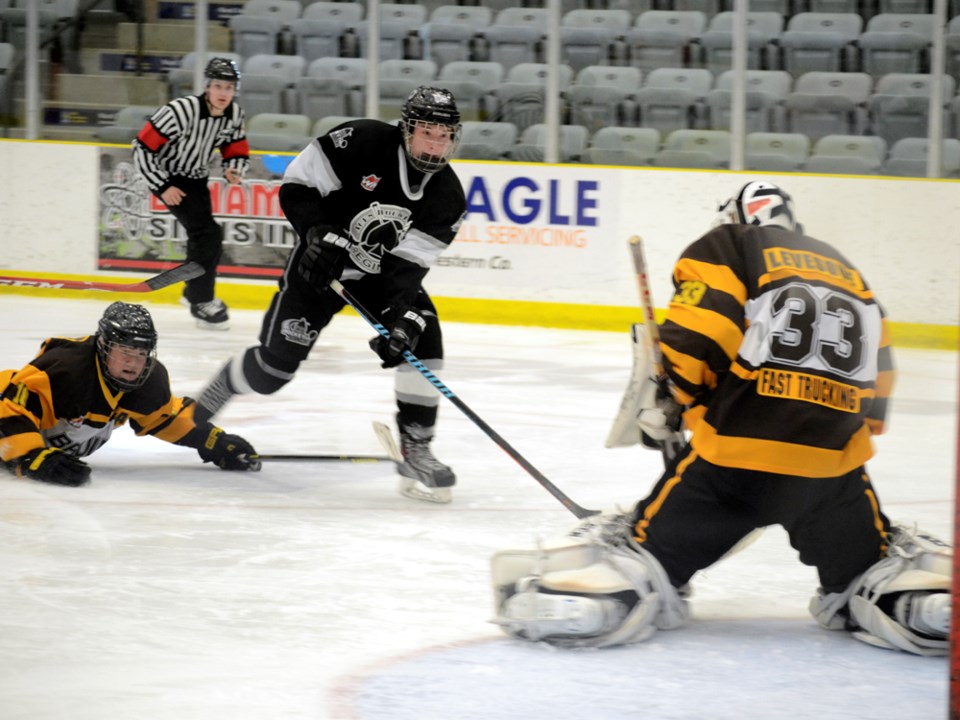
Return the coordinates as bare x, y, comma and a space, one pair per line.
204, 236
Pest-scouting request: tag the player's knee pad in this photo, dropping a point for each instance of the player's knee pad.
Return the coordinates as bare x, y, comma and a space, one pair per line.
264, 371
902, 601
593, 588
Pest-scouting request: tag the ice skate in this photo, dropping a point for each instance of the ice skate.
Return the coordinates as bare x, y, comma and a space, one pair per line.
423, 476
211, 315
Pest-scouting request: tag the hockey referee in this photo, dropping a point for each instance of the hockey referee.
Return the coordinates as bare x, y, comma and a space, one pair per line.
173, 152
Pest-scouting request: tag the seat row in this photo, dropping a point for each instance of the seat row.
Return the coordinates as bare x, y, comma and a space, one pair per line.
665, 99
710, 149
809, 41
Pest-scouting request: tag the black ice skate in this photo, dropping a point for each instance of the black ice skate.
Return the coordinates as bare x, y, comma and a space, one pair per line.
214, 396
423, 476
211, 315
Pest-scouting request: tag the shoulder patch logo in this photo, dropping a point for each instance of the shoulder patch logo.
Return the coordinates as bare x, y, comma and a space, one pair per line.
369, 182
297, 331
339, 137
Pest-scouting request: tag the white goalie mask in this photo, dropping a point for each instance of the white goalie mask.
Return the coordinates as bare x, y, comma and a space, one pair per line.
758, 203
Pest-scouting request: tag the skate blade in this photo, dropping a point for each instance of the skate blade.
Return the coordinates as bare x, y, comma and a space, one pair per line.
416, 490
204, 325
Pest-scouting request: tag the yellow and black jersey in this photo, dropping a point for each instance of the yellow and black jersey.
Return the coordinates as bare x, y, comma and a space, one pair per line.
780, 349
62, 400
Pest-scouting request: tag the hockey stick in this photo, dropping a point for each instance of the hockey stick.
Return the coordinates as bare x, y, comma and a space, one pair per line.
326, 458
418, 365
671, 446
180, 273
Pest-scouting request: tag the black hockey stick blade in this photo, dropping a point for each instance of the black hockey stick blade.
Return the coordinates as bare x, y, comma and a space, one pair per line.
180, 273
326, 458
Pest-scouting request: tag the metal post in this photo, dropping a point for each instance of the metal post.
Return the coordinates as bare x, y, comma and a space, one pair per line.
935, 121
200, 24
32, 73
551, 107
738, 98
373, 59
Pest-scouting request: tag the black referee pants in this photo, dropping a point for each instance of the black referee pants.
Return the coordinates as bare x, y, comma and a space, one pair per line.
204, 236
698, 511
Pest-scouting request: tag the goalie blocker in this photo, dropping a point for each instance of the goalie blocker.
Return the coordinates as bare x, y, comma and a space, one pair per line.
596, 587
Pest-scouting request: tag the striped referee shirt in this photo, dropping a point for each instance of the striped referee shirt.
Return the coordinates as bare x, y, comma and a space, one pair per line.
181, 138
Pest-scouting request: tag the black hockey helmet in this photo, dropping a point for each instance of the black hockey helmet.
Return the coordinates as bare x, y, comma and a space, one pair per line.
129, 326
222, 69
430, 106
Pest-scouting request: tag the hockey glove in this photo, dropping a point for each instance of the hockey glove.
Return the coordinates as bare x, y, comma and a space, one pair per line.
659, 417
229, 452
324, 257
404, 335
51, 465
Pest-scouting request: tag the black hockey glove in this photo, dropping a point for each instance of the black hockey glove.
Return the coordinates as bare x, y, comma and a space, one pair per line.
323, 259
404, 335
51, 465
229, 452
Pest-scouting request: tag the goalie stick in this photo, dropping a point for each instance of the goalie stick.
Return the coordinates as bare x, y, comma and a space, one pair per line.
180, 273
418, 365
644, 354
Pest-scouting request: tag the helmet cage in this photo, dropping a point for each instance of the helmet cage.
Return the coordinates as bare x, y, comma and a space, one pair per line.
129, 326
761, 204
430, 107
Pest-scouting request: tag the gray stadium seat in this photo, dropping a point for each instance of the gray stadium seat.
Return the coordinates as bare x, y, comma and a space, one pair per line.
661, 38
474, 16
673, 98
348, 13
900, 105
315, 38
583, 46
623, 146
264, 94
572, 142
895, 43
824, 103
628, 79
127, 124
256, 34
766, 92
486, 140
763, 29
715, 143
473, 84
279, 131
609, 19
820, 42
870, 148
839, 165
511, 45
598, 106
447, 42
782, 152
328, 123
908, 158
399, 78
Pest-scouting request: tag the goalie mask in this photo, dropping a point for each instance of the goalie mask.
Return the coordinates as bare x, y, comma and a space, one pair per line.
758, 203
126, 345
431, 126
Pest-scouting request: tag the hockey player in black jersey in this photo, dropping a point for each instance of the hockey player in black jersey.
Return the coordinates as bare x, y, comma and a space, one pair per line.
173, 152
373, 205
65, 403
778, 355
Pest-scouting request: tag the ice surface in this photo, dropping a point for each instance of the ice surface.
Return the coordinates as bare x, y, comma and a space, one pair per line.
168, 589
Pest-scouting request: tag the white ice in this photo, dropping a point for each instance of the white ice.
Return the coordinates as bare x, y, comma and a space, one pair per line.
170, 590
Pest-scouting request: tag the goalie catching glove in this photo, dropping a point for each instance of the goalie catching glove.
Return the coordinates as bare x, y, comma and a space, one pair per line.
228, 452
51, 465
404, 334
659, 417
324, 257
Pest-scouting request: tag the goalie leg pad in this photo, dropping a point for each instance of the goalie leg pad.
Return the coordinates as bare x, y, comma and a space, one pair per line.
901, 602
594, 588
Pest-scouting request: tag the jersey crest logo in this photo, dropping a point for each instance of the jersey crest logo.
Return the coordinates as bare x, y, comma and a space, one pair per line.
369, 182
377, 229
298, 331
339, 137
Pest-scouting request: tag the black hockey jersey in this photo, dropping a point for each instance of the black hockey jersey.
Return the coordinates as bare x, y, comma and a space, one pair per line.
61, 400
780, 348
357, 179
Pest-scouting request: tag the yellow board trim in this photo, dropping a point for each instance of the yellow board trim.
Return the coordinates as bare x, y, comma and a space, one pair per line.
570, 316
